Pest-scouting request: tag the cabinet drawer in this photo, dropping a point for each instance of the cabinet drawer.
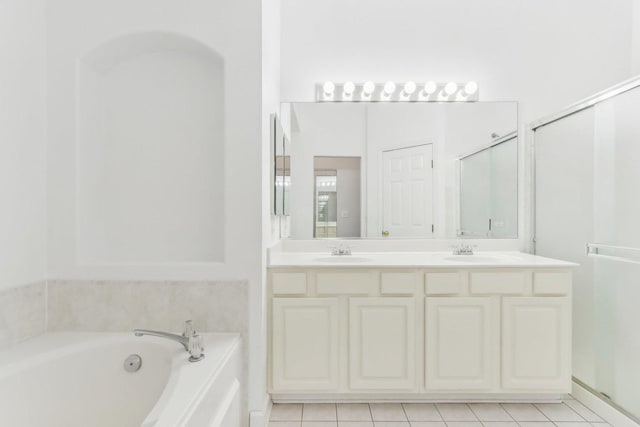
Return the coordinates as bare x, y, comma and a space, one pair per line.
503, 283
442, 283
346, 283
289, 283
551, 283
398, 283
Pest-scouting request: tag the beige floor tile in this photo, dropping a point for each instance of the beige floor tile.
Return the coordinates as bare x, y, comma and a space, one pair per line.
387, 412
355, 423
464, 424
391, 424
500, 424
490, 412
286, 412
536, 424
319, 412
428, 424
353, 412
583, 411
456, 412
421, 412
284, 423
319, 424
559, 412
572, 424
524, 412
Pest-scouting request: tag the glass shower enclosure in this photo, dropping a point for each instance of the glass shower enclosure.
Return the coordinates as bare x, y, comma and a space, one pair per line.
587, 210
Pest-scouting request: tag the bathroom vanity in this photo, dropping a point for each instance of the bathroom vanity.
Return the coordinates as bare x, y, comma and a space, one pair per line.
418, 325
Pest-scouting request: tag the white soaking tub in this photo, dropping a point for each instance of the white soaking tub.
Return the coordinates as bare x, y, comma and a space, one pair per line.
68, 379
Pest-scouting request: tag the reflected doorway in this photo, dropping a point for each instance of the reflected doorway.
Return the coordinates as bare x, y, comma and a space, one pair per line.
337, 197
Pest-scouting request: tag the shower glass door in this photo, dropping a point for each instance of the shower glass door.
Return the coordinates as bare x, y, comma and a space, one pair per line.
587, 190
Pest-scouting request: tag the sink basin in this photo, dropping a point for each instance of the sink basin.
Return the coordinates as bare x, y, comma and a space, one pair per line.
346, 259
477, 258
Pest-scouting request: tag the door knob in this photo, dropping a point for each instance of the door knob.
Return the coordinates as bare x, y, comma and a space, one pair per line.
385, 233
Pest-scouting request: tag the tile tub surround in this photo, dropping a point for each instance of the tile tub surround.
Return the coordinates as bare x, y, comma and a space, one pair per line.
76, 305
433, 415
22, 313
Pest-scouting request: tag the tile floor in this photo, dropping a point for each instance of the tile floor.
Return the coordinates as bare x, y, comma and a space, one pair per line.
569, 413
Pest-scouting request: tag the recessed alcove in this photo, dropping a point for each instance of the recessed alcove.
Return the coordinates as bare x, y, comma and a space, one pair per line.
150, 152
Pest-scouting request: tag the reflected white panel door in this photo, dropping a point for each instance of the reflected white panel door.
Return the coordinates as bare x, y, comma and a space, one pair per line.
382, 352
536, 343
407, 199
462, 343
305, 344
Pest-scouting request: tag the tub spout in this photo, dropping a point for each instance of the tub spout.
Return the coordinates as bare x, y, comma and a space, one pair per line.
174, 337
190, 340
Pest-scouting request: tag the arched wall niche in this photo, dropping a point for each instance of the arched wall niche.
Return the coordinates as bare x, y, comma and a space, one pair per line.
150, 152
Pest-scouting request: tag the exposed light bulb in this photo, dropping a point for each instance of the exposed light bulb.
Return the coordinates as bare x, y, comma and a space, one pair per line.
409, 87
368, 88
328, 88
389, 87
470, 88
430, 87
451, 88
348, 88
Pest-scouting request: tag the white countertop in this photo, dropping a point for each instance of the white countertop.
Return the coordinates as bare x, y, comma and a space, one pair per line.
480, 259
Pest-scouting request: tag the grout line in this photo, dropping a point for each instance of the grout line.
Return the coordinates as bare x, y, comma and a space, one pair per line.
405, 413
439, 413
576, 412
542, 412
471, 410
370, 413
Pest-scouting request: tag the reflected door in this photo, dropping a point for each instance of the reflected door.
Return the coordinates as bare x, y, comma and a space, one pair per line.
407, 195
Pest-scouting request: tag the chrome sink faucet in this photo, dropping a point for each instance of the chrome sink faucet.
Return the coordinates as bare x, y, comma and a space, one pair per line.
463, 250
341, 250
190, 339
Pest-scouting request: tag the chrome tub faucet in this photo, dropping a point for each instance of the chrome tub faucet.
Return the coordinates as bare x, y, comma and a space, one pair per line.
190, 339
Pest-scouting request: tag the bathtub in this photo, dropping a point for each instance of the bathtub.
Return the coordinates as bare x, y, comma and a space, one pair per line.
68, 379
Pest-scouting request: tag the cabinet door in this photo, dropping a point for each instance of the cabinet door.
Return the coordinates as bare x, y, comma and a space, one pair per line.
536, 344
382, 345
462, 343
305, 344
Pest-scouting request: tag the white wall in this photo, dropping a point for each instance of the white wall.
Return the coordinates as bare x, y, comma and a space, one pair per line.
232, 28
635, 43
543, 53
271, 225
22, 142
150, 152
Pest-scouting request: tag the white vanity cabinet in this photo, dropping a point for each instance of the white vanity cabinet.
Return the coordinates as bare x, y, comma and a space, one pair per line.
305, 343
420, 332
462, 343
382, 343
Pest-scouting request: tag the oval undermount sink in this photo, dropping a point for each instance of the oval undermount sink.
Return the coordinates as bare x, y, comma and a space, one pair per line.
343, 259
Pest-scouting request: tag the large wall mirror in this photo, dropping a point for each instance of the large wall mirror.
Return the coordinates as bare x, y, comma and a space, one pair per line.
389, 170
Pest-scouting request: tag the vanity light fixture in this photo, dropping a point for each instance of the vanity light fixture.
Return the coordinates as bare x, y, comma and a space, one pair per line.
451, 88
470, 88
347, 89
328, 88
368, 88
409, 91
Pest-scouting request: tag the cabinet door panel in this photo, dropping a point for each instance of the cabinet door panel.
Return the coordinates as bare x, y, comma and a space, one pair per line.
462, 343
536, 344
305, 344
382, 343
